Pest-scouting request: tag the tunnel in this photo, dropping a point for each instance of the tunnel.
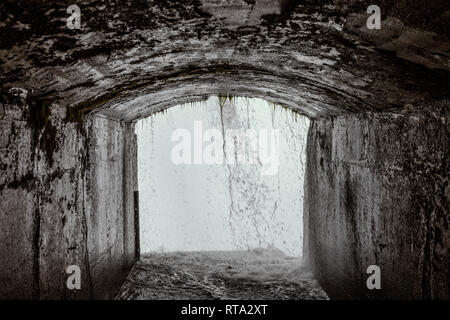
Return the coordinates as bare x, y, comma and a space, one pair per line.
376, 189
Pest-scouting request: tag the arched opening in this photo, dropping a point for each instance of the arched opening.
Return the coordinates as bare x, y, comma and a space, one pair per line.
221, 202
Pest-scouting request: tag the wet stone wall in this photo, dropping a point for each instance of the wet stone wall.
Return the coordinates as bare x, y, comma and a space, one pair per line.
376, 193
62, 202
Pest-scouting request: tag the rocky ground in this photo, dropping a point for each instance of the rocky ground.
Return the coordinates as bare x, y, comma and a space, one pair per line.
257, 274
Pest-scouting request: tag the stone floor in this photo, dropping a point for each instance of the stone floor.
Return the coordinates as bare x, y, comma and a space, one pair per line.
257, 274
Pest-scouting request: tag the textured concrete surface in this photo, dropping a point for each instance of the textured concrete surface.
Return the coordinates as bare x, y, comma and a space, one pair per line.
377, 193
133, 58
62, 195
63, 203
109, 204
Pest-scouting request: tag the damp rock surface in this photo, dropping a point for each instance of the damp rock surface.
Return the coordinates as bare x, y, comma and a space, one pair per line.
129, 60
257, 274
377, 193
57, 204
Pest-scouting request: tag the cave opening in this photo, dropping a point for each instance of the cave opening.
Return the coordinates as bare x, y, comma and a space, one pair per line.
221, 200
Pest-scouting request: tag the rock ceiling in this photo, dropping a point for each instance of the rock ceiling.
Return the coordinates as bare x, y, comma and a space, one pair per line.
133, 58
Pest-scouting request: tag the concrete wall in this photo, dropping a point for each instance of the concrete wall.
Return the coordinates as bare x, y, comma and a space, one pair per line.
109, 204
62, 202
377, 192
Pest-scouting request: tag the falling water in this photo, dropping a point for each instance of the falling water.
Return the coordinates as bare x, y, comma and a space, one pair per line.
197, 207
221, 231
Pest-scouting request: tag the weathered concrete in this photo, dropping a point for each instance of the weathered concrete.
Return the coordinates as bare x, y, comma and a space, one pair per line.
63, 202
133, 58
377, 193
65, 184
109, 204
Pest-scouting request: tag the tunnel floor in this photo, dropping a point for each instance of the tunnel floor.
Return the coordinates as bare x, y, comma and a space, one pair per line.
247, 275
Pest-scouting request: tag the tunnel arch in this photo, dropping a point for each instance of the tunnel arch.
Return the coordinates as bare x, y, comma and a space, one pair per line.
378, 145
139, 99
